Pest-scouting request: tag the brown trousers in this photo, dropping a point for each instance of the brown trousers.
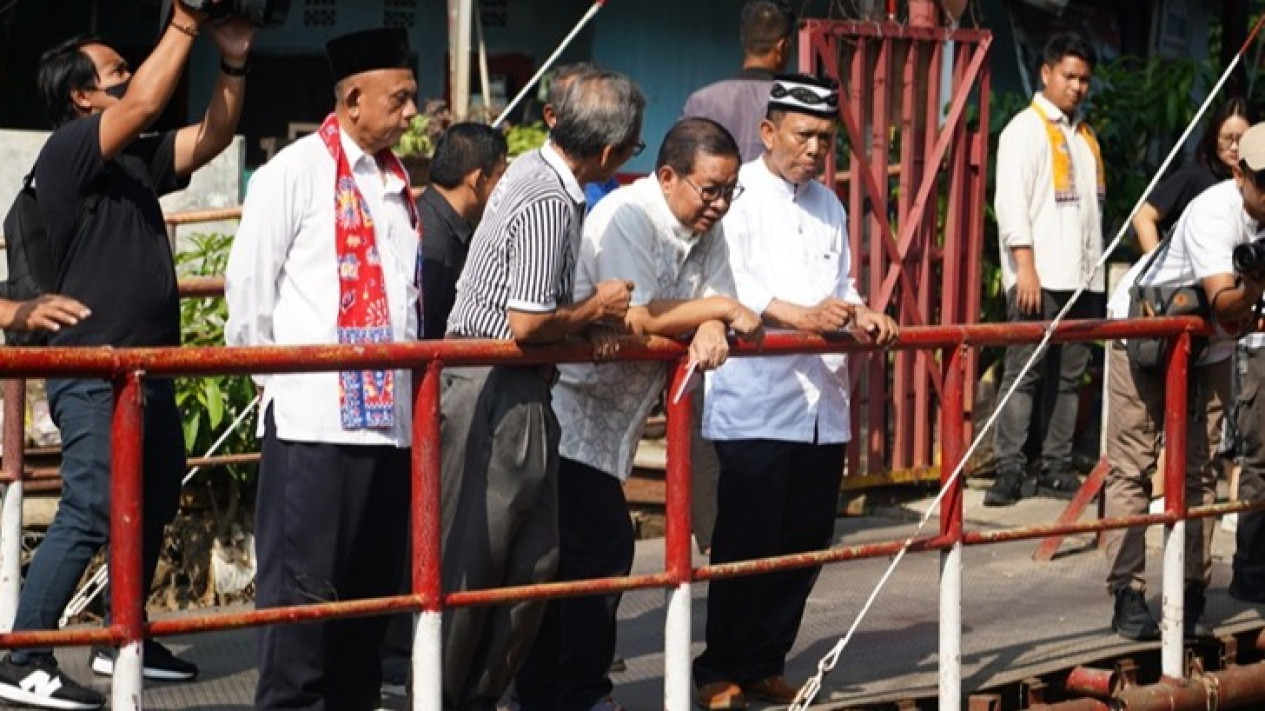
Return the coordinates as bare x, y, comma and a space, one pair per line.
1135, 419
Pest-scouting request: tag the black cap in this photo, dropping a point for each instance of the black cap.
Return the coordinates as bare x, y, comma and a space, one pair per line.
805, 94
368, 50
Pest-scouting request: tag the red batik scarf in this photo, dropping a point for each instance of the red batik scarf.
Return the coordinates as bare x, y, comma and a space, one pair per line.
366, 398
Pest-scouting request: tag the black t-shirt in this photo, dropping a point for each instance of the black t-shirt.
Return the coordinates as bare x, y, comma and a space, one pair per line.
118, 262
1176, 191
445, 244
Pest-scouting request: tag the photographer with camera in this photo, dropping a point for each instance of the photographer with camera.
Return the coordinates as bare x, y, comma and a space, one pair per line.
116, 261
1199, 257
1248, 581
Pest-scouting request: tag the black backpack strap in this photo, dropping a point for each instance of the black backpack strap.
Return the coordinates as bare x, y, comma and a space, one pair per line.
1155, 254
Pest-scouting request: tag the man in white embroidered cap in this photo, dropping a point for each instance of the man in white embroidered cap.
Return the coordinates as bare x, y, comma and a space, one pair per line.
327, 252
780, 424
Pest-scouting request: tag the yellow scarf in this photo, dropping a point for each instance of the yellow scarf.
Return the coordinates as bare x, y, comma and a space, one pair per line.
1064, 171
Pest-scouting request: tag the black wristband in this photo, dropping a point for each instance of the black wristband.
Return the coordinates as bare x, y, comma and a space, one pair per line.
232, 71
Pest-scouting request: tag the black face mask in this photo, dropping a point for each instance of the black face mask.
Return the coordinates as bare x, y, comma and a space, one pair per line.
118, 90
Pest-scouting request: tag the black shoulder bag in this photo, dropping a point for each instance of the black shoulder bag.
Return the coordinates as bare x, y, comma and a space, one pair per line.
1172, 300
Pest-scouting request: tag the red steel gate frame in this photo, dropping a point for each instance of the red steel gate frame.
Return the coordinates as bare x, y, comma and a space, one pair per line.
127, 368
890, 78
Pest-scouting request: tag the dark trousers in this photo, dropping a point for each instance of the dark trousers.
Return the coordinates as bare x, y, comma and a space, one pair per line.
500, 510
1249, 550
82, 411
330, 525
567, 667
1060, 369
775, 498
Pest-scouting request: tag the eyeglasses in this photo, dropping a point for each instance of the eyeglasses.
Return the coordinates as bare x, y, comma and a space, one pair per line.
1227, 141
712, 193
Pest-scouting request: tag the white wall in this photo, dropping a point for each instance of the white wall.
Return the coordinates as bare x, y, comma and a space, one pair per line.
217, 185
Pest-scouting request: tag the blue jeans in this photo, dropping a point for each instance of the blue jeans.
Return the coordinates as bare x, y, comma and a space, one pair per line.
82, 410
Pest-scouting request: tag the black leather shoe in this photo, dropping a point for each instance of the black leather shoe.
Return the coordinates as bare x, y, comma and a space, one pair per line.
1005, 491
1132, 618
1193, 627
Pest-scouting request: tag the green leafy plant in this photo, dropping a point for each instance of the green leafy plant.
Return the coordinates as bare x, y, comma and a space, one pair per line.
208, 404
417, 140
526, 137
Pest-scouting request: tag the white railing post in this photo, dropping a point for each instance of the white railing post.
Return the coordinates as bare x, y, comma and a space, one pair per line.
1172, 663
951, 628
14, 438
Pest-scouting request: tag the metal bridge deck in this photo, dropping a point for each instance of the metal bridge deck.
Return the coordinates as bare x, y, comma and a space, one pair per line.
1019, 618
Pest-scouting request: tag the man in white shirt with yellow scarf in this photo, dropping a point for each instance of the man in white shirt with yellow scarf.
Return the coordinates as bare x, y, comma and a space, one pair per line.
1050, 188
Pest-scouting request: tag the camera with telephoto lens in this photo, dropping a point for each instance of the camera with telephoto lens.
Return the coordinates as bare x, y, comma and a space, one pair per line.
1249, 259
260, 13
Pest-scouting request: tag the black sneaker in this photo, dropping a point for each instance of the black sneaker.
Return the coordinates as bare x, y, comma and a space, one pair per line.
1005, 491
41, 684
1132, 618
1193, 609
1059, 486
160, 663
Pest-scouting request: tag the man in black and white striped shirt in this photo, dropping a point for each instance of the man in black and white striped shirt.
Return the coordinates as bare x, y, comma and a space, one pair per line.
500, 436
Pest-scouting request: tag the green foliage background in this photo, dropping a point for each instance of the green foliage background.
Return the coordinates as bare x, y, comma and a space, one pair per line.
209, 404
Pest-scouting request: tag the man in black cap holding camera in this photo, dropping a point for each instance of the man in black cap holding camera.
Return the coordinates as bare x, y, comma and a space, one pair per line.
327, 252
97, 181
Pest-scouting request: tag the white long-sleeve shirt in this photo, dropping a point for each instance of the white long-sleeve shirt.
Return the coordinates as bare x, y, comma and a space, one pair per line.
787, 242
282, 282
1066, 238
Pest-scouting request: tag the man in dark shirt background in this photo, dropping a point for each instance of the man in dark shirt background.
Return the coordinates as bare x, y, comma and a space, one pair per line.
469, 160
765, 29
117, 261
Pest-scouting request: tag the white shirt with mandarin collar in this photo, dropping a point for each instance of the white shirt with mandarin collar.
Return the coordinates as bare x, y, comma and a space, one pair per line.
282, 282
787, 242
1066, 238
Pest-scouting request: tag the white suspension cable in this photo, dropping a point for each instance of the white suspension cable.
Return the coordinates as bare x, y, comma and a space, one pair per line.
812, 687
597, 5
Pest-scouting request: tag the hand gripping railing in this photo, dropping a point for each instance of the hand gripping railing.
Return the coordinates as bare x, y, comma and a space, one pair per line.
127, 368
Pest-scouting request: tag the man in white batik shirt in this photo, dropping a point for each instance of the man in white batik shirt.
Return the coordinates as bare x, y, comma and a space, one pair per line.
662, 234
780, 423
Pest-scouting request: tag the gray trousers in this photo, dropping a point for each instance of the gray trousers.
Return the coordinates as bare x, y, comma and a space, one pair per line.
1249, 551
500, 520
1058, 372
1135, 419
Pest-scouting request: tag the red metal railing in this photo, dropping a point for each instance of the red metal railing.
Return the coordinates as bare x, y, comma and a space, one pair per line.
127, 368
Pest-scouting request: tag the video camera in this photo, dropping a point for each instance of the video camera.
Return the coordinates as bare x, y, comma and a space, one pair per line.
1249, 259
260, 13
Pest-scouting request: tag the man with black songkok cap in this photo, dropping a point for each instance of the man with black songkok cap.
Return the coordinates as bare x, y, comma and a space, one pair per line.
327, 252
780, 424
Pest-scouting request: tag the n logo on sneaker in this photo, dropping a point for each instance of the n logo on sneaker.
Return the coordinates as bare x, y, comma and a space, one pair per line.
40, 683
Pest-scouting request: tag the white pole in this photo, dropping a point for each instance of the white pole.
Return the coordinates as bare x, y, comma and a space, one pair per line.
549, 62
10, 555
677, 663
428, 661
460, 13
128, 682
1171, 651
485, 77
951, 628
